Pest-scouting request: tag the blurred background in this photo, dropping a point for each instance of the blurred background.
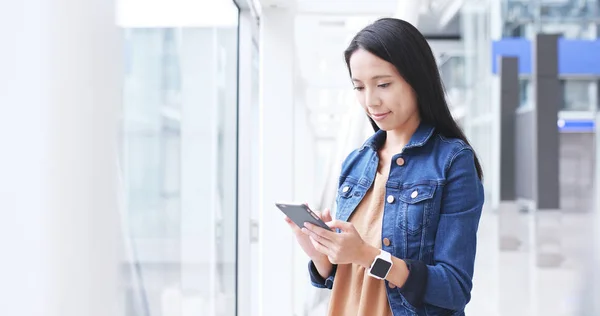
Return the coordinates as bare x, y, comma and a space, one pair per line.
144, 143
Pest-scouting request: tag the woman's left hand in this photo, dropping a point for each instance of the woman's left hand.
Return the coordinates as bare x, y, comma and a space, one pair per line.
341, 248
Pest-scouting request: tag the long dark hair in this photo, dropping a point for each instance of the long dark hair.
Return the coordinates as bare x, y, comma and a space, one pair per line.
401, 44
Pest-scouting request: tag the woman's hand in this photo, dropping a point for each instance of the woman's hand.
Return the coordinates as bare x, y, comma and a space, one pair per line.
341, 248
304, 240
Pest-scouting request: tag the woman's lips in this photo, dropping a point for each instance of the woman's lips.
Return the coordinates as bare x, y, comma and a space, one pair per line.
379, 117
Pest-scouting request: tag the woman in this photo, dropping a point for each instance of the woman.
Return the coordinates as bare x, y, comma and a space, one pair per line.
409, 199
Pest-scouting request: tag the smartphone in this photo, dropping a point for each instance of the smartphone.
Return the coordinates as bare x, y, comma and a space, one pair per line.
300, 214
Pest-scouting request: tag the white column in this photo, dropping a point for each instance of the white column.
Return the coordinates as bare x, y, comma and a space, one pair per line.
23, 123
596, 227
276, 161
596, 212
245, 167
59, 97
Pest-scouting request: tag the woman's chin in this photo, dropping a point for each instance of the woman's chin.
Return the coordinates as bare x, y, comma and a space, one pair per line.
384, 127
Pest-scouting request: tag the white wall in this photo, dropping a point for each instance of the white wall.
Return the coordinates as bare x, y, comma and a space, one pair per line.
246, 170
59, 93
172, 13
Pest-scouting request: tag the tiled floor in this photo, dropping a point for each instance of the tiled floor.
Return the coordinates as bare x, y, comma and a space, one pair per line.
510, 284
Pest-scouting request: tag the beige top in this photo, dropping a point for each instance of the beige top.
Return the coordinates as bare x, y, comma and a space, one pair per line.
354, 291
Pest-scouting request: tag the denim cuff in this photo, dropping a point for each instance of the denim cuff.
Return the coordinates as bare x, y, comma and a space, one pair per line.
414, 288
317, 280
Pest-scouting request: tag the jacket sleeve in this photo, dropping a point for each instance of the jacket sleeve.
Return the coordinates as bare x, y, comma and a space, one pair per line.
448, 283
318, 281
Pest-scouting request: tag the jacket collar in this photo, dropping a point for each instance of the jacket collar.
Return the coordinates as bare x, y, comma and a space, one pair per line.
418, 139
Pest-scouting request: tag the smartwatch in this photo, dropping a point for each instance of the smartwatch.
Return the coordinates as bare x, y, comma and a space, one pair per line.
381, 266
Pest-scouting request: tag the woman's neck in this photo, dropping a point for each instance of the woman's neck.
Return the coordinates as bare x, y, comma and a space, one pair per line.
396, 139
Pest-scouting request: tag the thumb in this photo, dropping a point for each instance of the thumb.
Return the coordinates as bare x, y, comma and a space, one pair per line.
326, 216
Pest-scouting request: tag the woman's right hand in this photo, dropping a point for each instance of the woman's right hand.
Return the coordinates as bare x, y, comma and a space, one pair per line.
304, 239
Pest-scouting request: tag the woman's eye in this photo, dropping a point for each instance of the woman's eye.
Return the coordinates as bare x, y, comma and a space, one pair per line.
359, 88
384, 85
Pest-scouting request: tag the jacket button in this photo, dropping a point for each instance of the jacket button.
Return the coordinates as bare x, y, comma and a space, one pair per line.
392, 286
386, 242
390, 199
345, 189
414, 194
400, 161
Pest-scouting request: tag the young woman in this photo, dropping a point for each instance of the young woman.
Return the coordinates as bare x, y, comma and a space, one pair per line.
409, 199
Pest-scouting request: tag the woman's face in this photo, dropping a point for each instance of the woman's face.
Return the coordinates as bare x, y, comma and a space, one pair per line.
386, 97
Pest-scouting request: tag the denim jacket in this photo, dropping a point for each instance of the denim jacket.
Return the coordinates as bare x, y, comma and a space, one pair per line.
434, 200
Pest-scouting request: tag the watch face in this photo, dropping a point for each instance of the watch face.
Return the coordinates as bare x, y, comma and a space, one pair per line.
380, 268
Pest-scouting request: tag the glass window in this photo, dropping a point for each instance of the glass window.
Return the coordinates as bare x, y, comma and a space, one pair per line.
178, 145
578, 95
480, 140
452, 72
525, 93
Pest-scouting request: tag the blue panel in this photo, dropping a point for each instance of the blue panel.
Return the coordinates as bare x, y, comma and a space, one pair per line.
576, 125
575, 57
578, 57
512, 47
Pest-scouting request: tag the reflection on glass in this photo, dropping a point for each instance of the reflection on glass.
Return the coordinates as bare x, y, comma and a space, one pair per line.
452, 72
577, 95
178, 136
525, 93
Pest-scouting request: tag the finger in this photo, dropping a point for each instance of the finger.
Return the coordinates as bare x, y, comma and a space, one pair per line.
319, 247
343, 226
292, 225
315, 211
323, 241
327, 234
326, 216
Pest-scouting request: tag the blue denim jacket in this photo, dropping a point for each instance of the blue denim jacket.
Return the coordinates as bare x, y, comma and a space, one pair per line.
431, 222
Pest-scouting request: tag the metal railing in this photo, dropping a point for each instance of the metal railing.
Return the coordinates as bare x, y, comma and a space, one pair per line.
520, 11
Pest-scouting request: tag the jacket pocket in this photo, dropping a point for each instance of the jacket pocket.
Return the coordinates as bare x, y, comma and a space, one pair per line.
417, 202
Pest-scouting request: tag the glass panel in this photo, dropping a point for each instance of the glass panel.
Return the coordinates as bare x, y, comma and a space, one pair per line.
576, 172
178, 138
578, 95
480, 140
452, 71
525, 93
